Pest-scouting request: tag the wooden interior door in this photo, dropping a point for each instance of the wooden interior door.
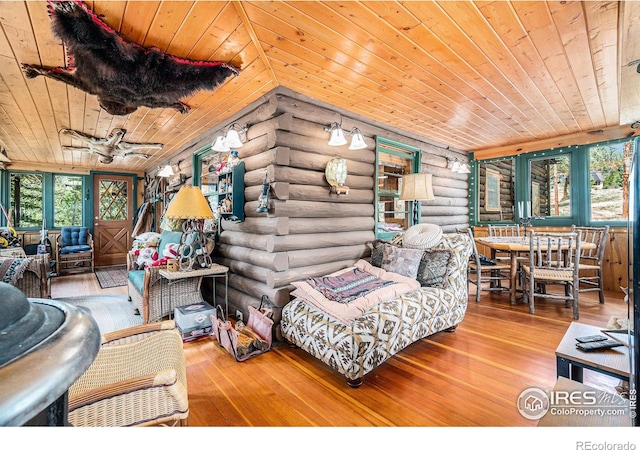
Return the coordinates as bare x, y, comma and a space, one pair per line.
113, 214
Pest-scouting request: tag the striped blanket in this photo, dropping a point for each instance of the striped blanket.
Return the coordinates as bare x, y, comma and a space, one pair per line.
348, 286
12, 269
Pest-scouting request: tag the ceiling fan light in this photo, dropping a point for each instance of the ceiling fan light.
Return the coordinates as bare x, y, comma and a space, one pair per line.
220, 145
357, 141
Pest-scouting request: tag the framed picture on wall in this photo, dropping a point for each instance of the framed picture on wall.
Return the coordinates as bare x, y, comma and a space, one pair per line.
492, 191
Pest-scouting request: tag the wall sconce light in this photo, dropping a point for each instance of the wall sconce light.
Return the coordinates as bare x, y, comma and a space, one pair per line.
233, 138
167, 171
458, 166
338, 138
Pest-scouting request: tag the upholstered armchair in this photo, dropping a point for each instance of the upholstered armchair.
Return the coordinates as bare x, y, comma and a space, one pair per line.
152, 294
74, 250
137, 379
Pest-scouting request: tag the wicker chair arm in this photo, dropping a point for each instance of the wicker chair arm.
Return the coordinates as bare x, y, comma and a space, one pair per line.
138, 330
164, 378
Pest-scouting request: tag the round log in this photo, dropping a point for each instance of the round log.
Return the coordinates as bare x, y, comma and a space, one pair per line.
302, 225
301, 258
311, 144
313, 161
260, 225
257, 289
271, 261
277, 155
299, 208
278, 279
324, 194
257, 241
318, 240
316, 177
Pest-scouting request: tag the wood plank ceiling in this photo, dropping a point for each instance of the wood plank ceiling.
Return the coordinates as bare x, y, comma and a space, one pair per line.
477, 76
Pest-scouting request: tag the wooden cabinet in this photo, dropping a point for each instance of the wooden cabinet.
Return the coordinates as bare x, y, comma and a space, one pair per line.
224, 191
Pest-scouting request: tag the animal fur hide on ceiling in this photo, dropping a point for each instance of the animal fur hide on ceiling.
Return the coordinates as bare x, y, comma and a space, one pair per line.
122, 74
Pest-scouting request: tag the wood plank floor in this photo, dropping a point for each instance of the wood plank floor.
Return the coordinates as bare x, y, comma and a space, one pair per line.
468, 378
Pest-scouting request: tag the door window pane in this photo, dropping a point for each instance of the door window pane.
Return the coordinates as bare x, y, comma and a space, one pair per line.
67, 200
26, 199
609, 166
550, 192
113, 200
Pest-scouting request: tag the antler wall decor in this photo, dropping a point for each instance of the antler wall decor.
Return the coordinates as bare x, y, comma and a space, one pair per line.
110, 147
123, 75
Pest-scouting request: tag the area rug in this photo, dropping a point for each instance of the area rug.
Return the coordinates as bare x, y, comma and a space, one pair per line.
112, 276
111, 312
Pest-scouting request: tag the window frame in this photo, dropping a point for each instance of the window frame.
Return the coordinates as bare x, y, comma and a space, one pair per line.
48, 193
388, 146
580, 176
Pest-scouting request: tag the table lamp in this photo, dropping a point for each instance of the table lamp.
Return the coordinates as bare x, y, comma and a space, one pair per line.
191, 205
416, 187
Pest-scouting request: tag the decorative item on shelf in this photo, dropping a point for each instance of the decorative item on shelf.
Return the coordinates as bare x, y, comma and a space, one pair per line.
189, 204
338, 138
232, 161
416, 187
458, 166
230, 139
225, 205
336, 175
263, 199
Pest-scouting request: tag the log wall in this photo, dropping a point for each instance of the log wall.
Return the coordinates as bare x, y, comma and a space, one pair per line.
308, 230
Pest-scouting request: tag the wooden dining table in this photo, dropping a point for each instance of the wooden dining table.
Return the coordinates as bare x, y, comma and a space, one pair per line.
514, 245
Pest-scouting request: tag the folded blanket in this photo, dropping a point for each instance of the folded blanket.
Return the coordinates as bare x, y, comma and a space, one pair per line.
12, 269
348, 286
346, 313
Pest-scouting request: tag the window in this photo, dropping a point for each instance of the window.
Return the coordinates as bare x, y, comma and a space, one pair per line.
393, 161
45, 199
580, 184
550, 193
67, 200
26, 199
609, 167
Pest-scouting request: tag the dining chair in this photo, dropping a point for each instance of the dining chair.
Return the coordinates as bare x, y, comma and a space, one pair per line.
505, 231
483, 269
591, 276
553, 260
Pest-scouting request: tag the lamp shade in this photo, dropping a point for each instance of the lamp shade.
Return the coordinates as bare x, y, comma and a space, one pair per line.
337, 135
189, 203
220, 145
233, 139
357, 141
417, 186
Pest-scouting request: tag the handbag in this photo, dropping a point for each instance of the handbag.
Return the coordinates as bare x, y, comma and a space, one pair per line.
249, 340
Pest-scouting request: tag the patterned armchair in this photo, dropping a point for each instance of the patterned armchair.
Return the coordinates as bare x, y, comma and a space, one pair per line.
74, 250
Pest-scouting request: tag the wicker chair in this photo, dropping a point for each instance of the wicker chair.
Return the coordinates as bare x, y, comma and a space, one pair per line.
34, 281
553, 260
137, 379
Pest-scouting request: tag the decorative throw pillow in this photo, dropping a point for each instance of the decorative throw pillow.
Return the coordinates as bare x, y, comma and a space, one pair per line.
435, 267
403, 261
377, 249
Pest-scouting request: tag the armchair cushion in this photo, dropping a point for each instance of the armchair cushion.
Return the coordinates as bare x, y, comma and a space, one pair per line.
74, 236
68, 249
168, 237
137, 278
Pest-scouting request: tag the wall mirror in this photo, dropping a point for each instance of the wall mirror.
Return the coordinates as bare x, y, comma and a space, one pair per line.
496, 190
550, 187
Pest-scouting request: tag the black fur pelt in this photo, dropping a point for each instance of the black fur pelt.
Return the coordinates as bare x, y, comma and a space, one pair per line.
122, 74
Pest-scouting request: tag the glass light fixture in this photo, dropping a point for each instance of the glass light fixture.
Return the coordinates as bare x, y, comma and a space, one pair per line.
167, 171
220, 145
464, 168
357, 141
234, 135
337, 135
455, 167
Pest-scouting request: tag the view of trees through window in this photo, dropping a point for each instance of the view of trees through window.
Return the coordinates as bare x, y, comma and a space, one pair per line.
67, 201
609, 166
29, 201
26, 199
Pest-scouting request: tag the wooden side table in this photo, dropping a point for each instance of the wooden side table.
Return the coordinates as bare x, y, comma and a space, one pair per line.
571, 361
196, 276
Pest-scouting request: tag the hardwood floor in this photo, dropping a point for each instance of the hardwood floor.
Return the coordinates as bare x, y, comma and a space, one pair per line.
471, 377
